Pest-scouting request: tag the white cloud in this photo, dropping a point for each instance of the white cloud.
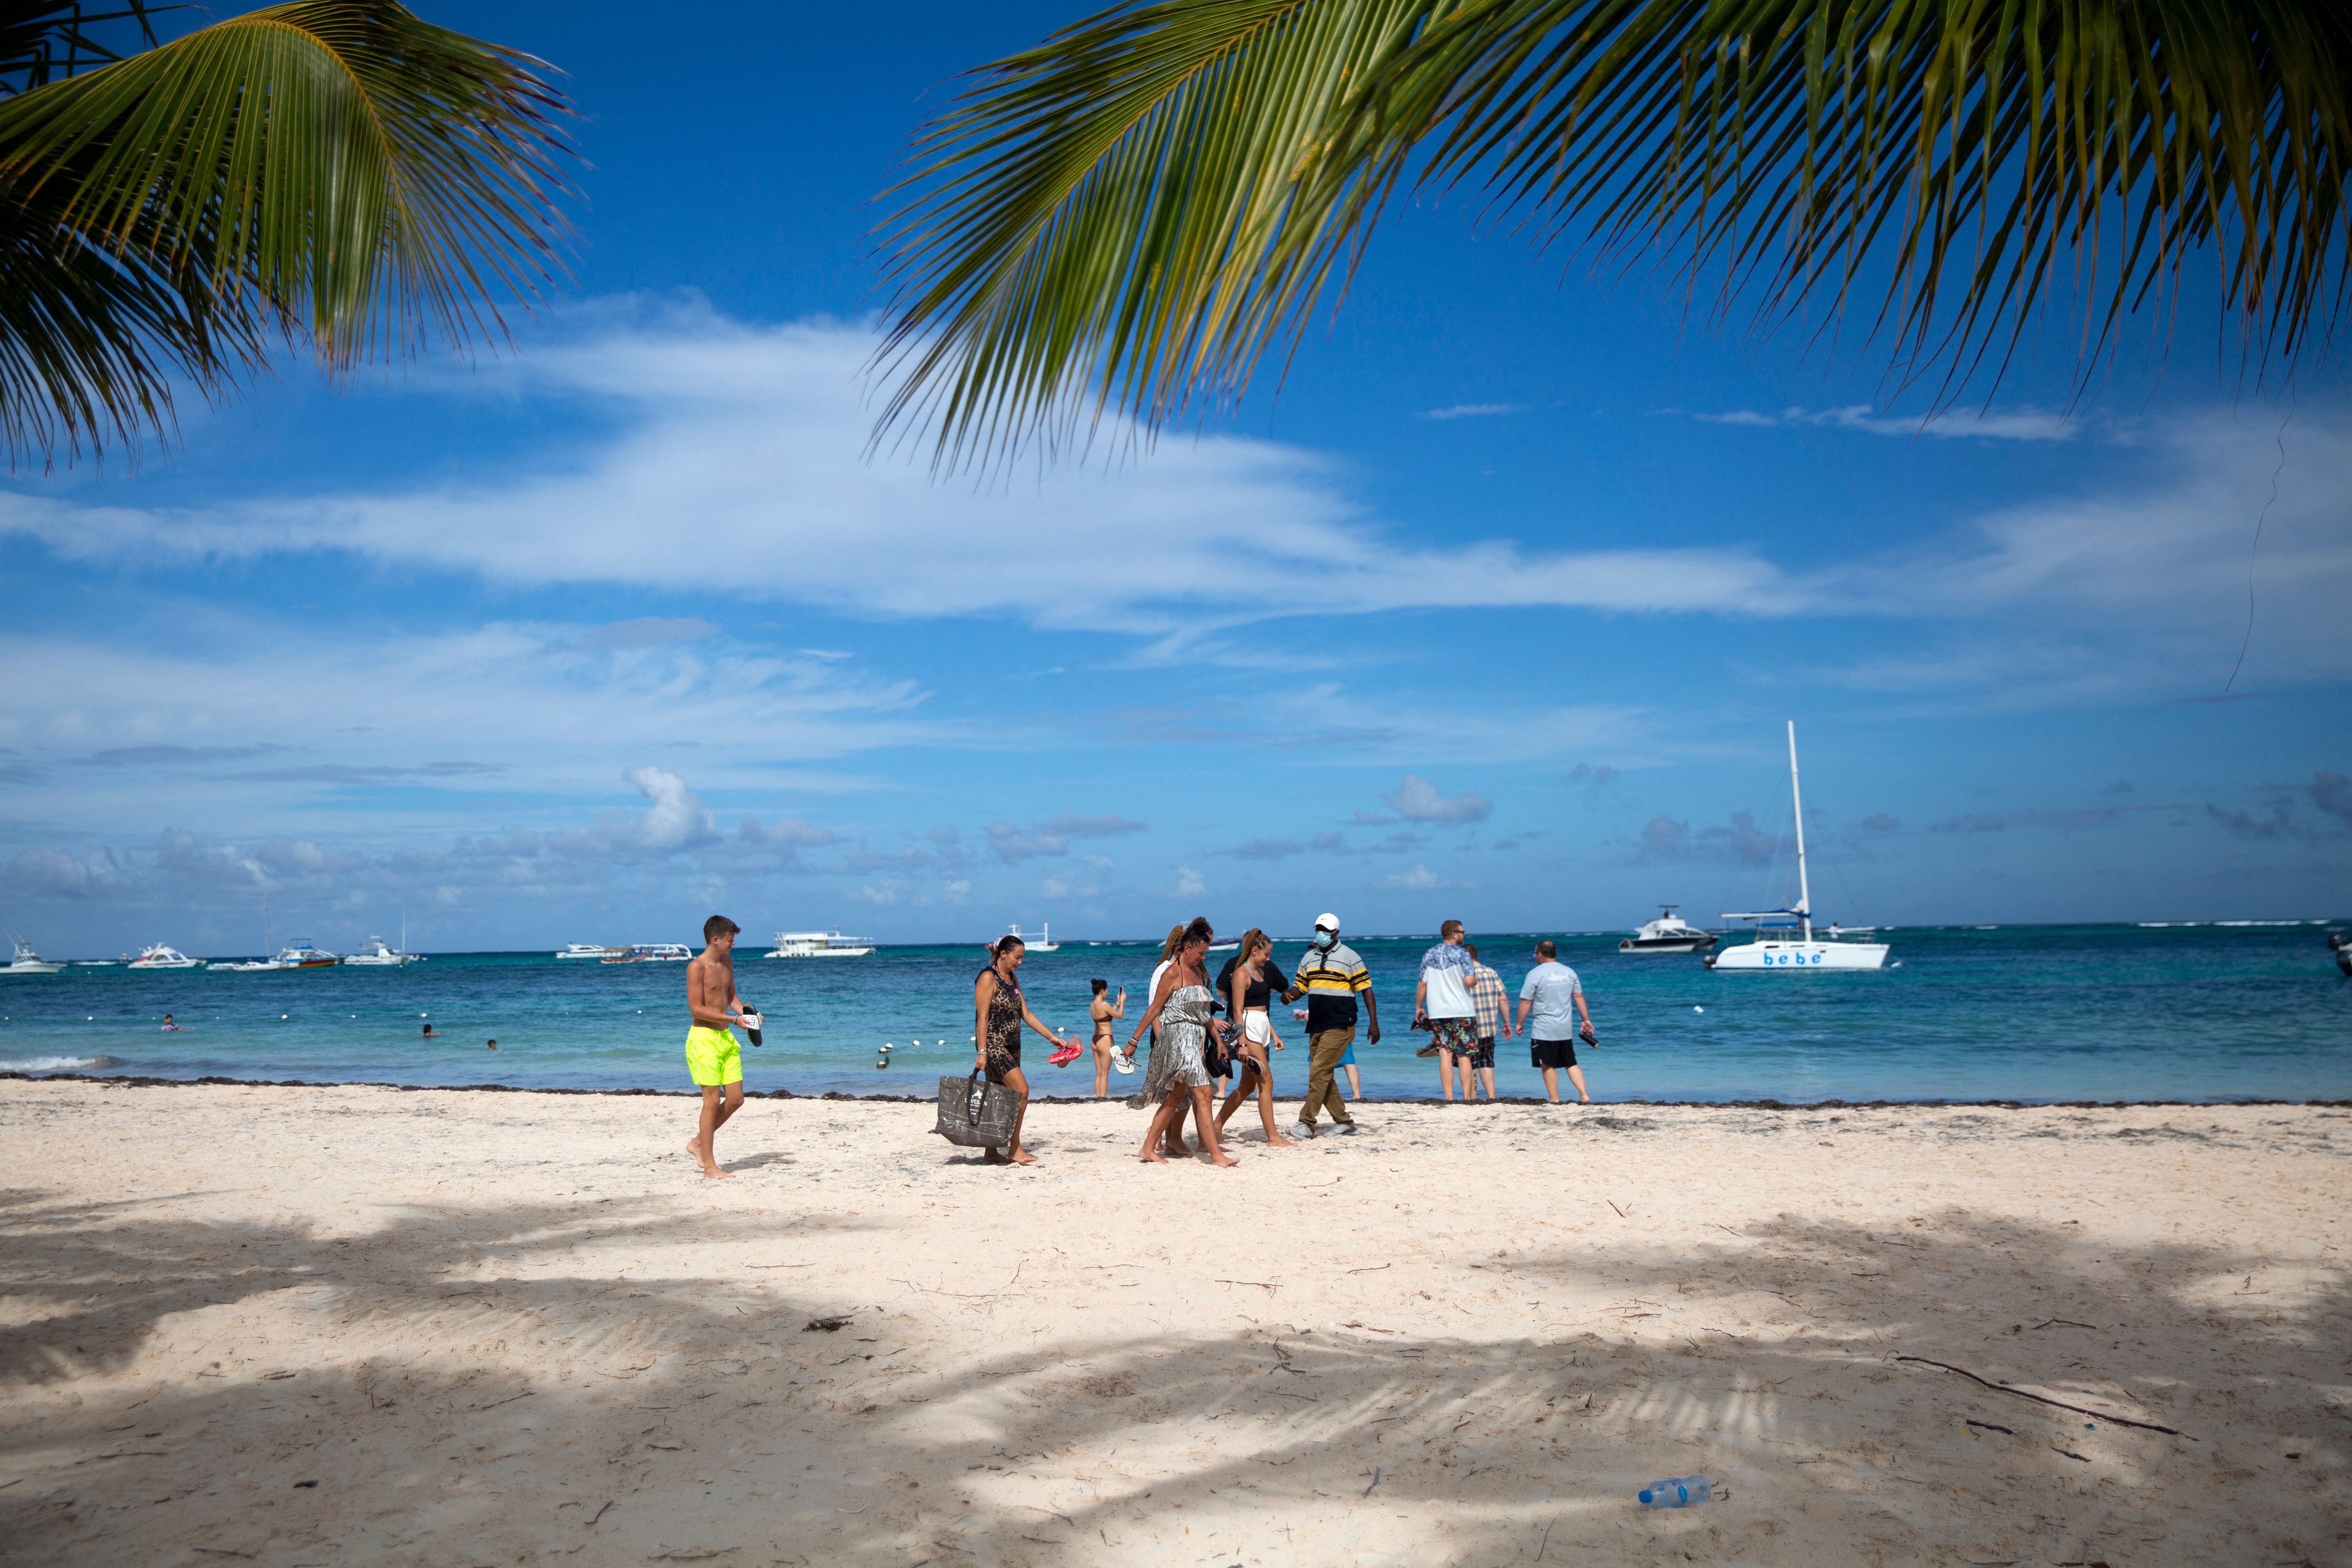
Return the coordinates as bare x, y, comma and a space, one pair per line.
1187, 883
1474, 411
1417, 800
753, 440
2024, 424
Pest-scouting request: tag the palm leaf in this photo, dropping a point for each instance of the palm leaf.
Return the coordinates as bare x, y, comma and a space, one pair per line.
334, 170
1126, 217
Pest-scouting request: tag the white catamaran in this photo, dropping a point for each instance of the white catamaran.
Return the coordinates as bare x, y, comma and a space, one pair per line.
1774, 948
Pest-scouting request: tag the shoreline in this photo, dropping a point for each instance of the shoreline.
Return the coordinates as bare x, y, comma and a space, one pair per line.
126, 1080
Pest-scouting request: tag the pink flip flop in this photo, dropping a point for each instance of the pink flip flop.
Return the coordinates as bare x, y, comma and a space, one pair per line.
1065, 1054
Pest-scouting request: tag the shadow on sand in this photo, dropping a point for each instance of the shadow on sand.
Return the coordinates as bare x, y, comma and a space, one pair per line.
454, 1388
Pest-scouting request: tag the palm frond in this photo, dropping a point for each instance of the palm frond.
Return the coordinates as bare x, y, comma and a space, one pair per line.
337, 171
43, 41
1126, 217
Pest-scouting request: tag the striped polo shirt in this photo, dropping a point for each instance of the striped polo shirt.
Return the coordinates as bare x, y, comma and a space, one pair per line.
1331, 979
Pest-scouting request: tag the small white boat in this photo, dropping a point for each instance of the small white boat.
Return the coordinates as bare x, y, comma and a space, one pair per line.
1041, 942
819, 944
1668, 933
648, 952
27, 961
380, 955
247, 967
1773, 948
595, 950
162, 956
301, 953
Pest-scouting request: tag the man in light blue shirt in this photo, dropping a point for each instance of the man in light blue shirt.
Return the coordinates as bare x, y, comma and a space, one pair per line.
1549, 1004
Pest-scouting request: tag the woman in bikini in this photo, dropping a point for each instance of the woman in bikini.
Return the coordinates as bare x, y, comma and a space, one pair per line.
1103, 1012
1250, 982
999, 1011
1179, 1076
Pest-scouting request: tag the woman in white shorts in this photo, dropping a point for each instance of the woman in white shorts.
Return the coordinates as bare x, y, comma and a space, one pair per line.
1249, 983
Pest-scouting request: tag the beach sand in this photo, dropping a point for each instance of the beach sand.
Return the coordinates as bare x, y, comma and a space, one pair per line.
329, 1326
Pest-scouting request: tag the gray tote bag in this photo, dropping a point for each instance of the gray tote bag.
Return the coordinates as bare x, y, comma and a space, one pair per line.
976, 1113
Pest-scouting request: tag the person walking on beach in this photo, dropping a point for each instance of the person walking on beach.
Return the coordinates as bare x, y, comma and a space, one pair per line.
1493, 1005
713, 1059
1441, 998
1249, 980
1548, 1004
1179, 1011
999, 1010
1102, 1012
1172, 1142
1331, 976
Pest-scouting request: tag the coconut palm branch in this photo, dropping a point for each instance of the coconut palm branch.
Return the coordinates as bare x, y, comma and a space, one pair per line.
338, 172
1125, 219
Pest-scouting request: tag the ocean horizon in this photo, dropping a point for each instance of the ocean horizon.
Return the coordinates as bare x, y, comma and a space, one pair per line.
2155, 1011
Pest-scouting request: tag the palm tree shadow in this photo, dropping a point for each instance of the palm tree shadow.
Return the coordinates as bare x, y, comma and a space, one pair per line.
639, 1414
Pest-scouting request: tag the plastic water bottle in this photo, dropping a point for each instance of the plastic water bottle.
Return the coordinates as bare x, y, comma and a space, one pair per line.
1677, 1491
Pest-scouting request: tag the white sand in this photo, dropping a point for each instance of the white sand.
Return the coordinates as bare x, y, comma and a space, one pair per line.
294, 1326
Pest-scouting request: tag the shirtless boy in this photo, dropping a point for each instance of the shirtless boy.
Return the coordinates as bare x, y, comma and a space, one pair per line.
712, 1056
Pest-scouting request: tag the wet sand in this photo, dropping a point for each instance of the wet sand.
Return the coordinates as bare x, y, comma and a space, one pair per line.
329, 1326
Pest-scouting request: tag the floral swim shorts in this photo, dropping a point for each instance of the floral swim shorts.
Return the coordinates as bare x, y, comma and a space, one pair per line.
1459, 1036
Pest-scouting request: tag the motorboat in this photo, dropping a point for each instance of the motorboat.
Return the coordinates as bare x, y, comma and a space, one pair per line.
819, 944
379, 954
648, 952
162, 956
248, 965
301, 953
27, 961
1775, 947
1041, 942
1668, 933
595, 950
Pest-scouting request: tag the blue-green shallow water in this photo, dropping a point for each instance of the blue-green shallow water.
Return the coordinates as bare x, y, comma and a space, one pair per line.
2030, 1013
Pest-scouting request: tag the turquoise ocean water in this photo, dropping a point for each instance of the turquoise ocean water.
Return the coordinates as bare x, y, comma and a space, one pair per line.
2030, 1013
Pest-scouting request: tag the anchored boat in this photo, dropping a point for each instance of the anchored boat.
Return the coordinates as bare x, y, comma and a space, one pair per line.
1774, 948
1668, 933
819, 944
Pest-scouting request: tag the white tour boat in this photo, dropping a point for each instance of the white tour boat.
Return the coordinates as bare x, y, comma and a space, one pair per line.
1041, 942
27, 961
819, 944
1774, 948
595, 950
301, 953
379, 954
648, 952
161, 956
1668, 933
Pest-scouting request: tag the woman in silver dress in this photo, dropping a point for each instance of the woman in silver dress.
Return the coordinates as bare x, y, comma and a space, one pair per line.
1179, 1076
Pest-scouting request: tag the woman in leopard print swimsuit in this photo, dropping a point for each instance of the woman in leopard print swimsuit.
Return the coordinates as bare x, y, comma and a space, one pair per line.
999, 1010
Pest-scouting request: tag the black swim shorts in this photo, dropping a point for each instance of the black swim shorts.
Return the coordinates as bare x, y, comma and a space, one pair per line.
1552, 1053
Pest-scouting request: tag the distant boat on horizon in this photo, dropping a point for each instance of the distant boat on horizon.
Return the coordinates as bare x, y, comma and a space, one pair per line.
1041, 942
161, 956
819, 944
1668, 933
27, 961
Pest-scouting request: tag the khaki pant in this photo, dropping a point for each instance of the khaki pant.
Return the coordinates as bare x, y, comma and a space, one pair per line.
1325, 1047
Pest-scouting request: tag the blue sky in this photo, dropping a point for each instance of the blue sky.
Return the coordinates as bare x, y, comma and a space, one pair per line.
1496, 612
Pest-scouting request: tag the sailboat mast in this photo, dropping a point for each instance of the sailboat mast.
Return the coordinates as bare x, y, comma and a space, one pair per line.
1797, 799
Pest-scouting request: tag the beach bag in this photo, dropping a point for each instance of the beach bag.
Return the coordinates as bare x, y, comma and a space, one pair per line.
976, 1113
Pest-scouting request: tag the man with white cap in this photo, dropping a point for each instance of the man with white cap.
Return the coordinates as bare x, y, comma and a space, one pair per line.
1331, 976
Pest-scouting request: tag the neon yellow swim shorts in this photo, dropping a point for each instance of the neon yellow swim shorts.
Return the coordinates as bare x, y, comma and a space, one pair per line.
712, 1056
